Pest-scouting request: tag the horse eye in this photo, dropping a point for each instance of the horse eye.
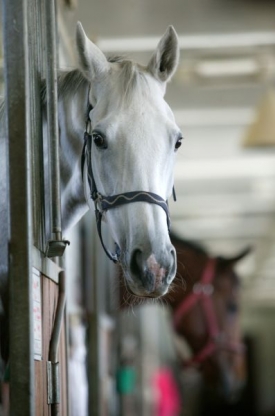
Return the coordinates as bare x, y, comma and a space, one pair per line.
99, 140
178, 143
232, 307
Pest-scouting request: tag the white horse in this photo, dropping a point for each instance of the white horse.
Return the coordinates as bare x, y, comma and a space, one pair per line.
134, 139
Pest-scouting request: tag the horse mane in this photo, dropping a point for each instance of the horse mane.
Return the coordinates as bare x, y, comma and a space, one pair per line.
68, 82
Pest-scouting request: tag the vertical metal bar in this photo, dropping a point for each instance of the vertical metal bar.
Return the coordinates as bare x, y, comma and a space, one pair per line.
35, 47
58, 320
4, 239
4, 209
15, 25
149, 327
52, 117
54, 347
90, 268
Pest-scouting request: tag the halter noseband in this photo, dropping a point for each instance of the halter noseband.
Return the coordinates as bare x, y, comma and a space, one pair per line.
202, 292
105, 203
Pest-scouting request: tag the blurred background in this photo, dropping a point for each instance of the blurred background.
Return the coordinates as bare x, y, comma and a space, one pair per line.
224, 102
223, 98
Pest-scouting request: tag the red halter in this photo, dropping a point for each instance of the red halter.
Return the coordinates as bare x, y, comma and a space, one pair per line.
202, 292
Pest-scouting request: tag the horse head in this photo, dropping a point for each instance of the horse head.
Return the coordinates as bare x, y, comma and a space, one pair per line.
134, 139
226, 367
207, 316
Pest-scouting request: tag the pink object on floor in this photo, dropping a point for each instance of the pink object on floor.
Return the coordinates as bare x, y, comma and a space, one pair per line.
168, 399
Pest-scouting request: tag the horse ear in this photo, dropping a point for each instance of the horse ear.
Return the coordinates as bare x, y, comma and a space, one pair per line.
93, 62
164, 61
231, 261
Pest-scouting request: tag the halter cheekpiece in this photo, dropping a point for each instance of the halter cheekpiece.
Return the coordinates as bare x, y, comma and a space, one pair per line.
105, 203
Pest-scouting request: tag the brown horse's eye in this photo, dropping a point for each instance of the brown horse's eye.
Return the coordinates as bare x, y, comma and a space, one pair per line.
99, 140
232, 307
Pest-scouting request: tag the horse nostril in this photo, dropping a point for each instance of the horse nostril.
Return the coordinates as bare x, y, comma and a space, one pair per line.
173, 253
136, 263
173, 265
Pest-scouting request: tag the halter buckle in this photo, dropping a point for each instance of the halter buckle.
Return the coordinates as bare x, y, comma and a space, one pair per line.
205, 289
94, 195
97, 198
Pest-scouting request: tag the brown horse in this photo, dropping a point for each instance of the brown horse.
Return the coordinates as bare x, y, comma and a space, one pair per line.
204, 301
206, 313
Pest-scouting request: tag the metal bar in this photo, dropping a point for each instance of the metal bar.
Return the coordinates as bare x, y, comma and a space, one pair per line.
54, 346
46, 266
52, 117
90, 269
55, 246
35, 12
17, 80
93, 365
53, 352
4, 211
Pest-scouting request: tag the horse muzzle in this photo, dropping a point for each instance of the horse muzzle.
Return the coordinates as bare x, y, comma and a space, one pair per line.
151, 276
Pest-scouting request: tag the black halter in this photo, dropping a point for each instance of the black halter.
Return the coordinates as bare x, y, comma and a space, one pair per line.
105, 203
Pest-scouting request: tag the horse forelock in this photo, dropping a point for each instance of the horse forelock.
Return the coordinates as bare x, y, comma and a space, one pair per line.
131, 79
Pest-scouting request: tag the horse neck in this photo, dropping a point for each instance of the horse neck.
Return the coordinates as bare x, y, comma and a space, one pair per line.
72, 114
72, 121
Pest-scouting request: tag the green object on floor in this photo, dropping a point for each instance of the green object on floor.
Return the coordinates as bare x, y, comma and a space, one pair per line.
126, 380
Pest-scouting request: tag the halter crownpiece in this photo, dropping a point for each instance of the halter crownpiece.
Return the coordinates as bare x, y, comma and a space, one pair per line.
105, 203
